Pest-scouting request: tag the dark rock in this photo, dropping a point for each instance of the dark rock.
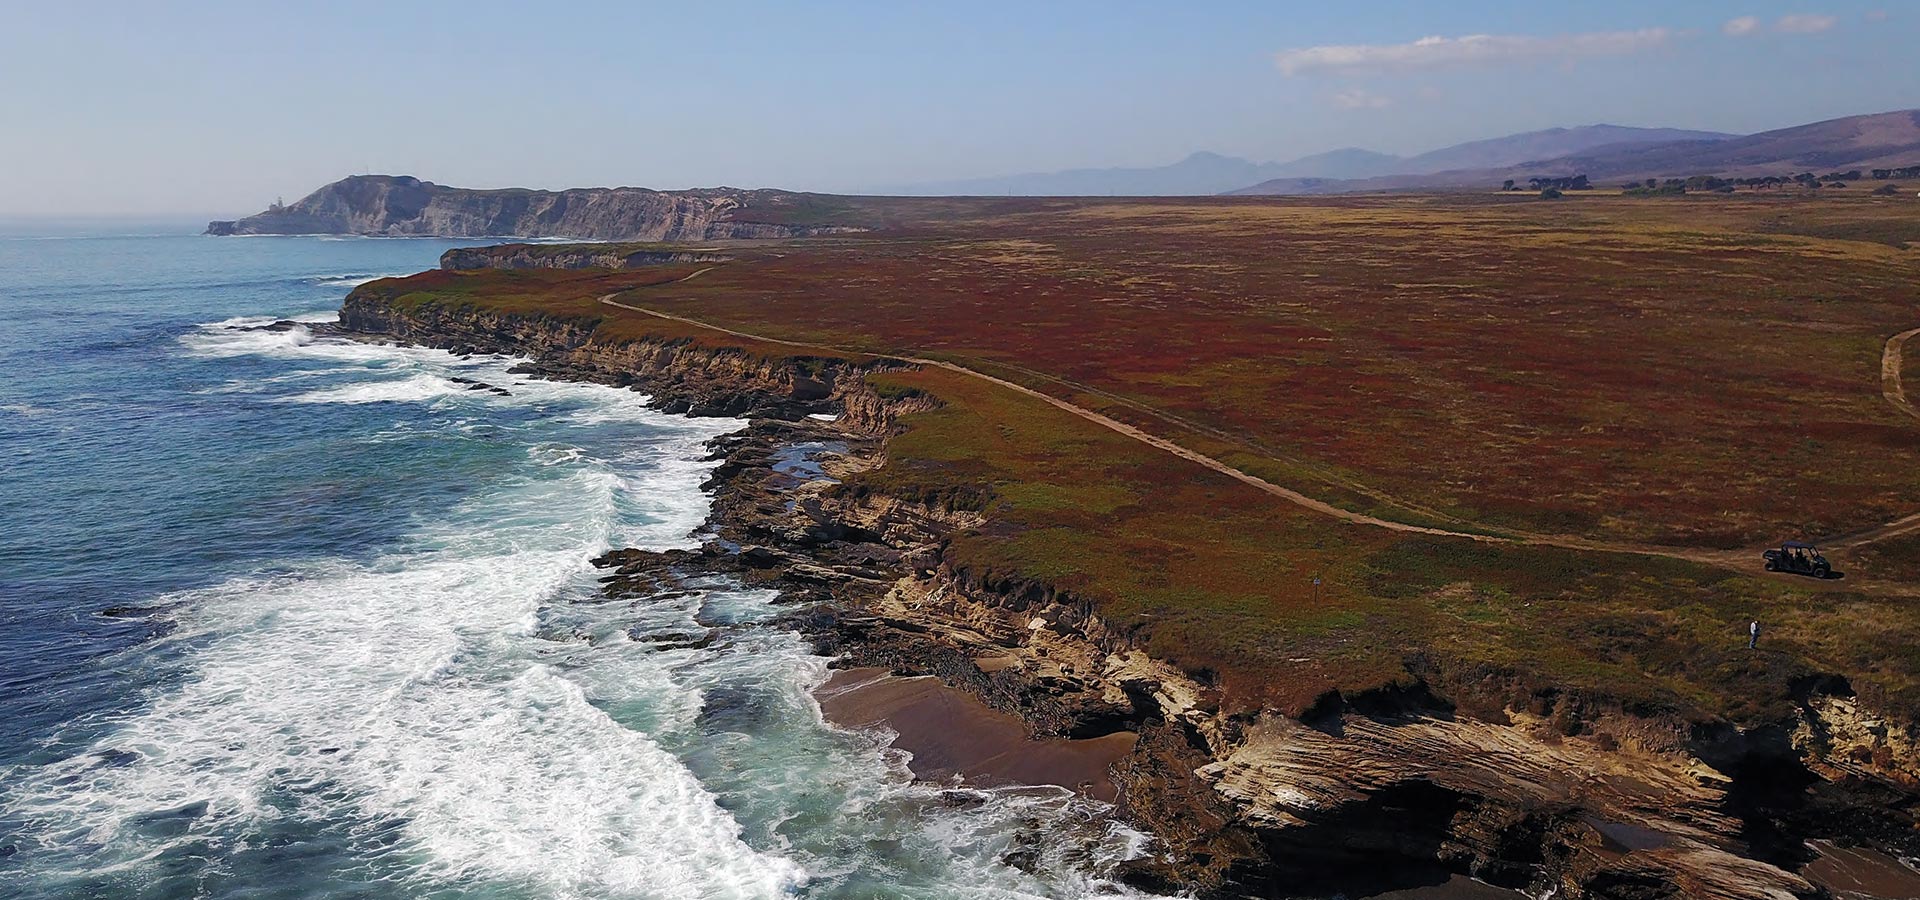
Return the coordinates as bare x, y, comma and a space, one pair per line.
130, 612
763, 557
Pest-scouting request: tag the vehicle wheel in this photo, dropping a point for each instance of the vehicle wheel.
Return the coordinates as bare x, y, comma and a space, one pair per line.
1822, 572
1773, 566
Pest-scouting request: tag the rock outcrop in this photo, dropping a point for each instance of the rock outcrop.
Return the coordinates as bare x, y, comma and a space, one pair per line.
1373, 795
1361, 794
401, 205
680, 377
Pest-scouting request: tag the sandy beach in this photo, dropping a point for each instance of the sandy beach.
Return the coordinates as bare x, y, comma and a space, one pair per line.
950, 732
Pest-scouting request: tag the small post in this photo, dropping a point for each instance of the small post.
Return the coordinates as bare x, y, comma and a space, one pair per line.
1316, 590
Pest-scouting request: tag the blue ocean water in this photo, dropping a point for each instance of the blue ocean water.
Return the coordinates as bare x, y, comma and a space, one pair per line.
290, 616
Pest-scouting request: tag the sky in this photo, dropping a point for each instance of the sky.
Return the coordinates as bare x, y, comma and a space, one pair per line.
150, 110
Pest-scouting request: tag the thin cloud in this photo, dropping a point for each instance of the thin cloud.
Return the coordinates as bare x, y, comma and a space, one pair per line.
1804, 23
1473, 49
1741, 27
1361, 98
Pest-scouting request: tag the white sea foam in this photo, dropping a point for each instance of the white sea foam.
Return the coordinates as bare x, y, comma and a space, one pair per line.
555, 455
819, 794
474, 728
352, 279
244, 336
417, 692
239, 322
411, 389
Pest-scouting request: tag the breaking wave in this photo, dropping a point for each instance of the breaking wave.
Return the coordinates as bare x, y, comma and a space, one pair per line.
463, 713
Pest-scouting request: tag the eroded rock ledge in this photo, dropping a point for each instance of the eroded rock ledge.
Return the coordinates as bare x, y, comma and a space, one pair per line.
1566, 795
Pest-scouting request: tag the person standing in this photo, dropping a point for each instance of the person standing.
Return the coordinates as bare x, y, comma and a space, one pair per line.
1753, 634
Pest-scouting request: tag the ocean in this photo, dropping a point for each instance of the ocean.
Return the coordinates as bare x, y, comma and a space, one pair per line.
286, 616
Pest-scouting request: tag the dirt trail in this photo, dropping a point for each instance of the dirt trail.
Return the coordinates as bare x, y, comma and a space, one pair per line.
1891, 359
1894, 389
1744, 561
1224, 435
1729, 558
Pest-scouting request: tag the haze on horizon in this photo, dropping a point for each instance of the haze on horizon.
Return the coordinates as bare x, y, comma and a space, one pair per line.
215, 109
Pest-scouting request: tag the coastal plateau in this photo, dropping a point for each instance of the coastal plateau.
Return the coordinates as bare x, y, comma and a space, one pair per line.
1447, 766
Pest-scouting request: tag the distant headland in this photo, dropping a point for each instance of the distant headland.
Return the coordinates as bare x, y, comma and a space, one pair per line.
404, 206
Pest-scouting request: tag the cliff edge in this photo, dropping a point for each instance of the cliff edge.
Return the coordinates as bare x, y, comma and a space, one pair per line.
1458, 768
404, 206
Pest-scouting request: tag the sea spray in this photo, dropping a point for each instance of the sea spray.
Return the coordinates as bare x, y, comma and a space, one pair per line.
459, 712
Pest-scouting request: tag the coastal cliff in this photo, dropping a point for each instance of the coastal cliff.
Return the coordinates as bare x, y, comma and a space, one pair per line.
1566, 793
400, 205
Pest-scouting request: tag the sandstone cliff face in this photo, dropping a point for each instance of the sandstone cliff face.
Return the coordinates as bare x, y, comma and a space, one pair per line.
401, 205
1266, 805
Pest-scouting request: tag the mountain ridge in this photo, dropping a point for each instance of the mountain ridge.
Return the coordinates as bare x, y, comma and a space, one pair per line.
1206, 172
1874, 140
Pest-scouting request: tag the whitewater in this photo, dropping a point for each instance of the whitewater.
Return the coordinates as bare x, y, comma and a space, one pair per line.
294, 616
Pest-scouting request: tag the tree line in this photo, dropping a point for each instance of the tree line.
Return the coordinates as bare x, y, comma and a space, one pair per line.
1561, 183
1716, 184
1553, 185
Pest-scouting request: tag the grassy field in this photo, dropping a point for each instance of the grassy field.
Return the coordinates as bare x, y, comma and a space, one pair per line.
1665, 371
1693, 372
1218, 578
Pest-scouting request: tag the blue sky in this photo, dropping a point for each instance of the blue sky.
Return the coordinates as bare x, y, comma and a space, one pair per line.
217, 108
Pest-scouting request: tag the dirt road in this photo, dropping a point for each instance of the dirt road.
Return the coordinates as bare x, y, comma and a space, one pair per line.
1745, 561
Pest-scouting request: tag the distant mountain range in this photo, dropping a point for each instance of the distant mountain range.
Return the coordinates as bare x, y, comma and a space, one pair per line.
1212, 173
1882, 140
1200, 173
1601, 152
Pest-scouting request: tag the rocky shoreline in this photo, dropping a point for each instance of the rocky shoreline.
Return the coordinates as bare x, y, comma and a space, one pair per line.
1364, 794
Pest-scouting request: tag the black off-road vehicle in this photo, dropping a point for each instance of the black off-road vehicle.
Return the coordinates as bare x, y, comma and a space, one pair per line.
1799, 558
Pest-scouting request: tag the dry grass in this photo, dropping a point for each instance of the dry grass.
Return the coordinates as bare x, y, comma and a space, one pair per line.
1689, 372
1612, 368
